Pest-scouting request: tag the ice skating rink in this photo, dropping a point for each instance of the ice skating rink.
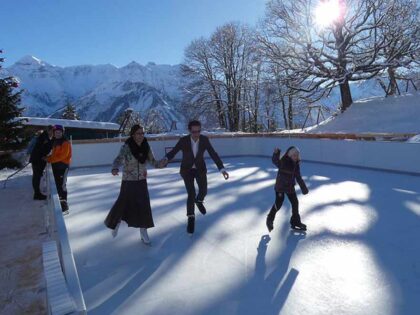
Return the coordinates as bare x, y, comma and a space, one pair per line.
360, 255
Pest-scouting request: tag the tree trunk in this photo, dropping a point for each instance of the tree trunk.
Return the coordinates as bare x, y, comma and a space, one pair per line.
290, 112
345, 92
392, 82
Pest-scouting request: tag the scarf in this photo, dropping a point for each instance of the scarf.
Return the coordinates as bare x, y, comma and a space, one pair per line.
58, 142
140, 152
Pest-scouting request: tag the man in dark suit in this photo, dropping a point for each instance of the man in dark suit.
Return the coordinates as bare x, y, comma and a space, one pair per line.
193, 167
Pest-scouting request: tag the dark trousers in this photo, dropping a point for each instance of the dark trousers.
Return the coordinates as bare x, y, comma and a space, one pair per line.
37, 172
295, 219
60, 171
201, 179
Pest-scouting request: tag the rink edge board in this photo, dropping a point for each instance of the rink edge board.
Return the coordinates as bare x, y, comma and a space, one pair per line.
377, 169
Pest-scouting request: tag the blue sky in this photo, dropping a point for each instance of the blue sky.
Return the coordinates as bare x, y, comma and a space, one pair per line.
72, 32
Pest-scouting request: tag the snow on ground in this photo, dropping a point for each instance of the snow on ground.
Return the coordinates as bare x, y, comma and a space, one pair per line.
360, 255
399, 114
22, 284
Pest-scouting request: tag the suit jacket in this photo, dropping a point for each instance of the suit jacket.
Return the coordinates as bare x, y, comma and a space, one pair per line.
188, 160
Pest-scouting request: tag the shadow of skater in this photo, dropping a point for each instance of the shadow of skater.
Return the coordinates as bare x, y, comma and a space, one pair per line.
267, 294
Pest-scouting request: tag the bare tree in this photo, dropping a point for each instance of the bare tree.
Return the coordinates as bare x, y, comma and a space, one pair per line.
318, 59
401, 35
201, 88
231, 48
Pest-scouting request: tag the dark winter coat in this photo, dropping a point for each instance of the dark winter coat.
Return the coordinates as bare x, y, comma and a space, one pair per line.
42, 148
288, 174
188, 160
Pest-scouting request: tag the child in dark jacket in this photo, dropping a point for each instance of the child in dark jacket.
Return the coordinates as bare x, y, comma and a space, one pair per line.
287, 175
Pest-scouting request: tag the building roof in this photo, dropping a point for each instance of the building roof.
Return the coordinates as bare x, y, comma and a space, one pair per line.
81, 124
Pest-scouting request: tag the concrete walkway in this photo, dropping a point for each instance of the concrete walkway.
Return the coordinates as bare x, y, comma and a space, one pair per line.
22, 284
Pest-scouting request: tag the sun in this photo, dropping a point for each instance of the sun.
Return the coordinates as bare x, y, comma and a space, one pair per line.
327, 12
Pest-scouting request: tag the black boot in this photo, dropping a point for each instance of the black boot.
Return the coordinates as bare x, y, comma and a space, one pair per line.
270, 219
39, 196
64, 206
191, 225
269, 223
200, 206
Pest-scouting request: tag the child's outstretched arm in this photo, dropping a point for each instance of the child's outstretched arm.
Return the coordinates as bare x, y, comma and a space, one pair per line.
276, 157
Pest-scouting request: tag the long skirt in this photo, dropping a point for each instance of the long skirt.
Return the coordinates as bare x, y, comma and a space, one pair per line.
132, 206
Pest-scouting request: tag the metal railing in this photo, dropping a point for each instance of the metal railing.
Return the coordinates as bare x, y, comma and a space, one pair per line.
55, 219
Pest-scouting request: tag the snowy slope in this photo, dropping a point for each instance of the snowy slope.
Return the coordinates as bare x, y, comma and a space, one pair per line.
399, 114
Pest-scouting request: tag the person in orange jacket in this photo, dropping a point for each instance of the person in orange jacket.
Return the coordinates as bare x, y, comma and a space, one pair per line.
60, 159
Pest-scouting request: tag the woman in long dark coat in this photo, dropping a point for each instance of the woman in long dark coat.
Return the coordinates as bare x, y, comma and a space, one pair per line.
287, 175
133, 203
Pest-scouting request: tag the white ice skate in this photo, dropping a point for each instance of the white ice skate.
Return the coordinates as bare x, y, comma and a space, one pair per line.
144, 236
114, 232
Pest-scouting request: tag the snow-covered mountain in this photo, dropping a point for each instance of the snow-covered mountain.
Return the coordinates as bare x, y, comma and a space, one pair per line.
100, 92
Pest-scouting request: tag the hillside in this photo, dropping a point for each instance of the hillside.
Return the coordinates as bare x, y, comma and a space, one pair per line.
399, 114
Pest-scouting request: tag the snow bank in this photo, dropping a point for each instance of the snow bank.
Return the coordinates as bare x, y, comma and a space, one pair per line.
399, 114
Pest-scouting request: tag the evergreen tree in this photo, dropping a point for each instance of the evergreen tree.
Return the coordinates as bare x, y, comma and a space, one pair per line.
12, 133
70, 113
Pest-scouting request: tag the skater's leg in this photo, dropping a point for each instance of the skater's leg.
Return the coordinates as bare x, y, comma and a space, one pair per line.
201, 179
295, 219
37, 171
188, 178
60, 177
276, 206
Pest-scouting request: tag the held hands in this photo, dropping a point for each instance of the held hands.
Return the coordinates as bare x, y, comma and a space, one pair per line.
163, 163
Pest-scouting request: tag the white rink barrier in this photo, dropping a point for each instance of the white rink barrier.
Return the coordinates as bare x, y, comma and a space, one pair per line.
390, 156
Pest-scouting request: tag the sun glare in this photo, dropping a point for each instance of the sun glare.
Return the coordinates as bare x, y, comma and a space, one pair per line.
327, 12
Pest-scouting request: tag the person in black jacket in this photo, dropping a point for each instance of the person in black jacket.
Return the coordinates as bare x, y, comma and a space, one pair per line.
287, 175
193, 167
40, 150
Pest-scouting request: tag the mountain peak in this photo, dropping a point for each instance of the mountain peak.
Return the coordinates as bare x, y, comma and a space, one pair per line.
134, 64
30, 60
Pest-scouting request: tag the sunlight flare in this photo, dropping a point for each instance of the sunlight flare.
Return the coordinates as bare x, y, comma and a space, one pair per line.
327, 12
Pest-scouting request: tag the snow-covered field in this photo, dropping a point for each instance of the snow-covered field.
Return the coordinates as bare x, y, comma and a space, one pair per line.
376, 115
361, 254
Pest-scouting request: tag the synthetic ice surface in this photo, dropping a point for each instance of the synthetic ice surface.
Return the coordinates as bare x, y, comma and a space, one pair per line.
361, 254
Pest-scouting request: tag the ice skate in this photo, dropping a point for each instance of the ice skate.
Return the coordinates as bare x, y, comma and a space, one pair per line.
114, 232
144, 236
200, 206
269, 222
191, 224
298, 226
